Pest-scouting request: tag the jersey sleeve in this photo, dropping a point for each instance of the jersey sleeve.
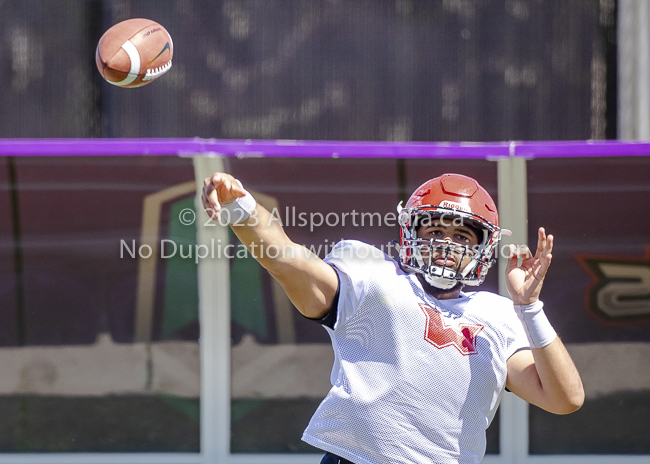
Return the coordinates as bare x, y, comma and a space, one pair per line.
353, 262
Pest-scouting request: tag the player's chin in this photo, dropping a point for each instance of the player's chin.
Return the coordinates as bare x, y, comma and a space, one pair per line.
435, 291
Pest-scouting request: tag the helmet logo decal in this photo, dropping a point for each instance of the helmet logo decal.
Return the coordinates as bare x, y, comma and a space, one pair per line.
455, 205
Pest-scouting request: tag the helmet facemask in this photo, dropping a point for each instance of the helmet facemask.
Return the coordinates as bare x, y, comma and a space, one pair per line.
444, 263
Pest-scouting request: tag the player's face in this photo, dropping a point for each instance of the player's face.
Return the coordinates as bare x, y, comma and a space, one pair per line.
450, 229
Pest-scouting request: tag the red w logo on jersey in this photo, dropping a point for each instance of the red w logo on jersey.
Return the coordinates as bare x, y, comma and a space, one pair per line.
441, 335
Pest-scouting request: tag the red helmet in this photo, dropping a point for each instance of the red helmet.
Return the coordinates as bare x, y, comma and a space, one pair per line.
459, 197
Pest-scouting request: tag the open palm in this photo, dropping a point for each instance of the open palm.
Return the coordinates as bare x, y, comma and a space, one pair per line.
524, 281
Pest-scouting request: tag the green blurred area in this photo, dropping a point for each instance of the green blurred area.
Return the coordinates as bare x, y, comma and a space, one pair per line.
181, 304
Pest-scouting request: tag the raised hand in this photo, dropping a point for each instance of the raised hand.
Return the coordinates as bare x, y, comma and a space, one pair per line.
525, 281
218, 190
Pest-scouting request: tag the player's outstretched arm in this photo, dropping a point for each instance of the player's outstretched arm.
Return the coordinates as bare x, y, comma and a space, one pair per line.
545, 375
310, 283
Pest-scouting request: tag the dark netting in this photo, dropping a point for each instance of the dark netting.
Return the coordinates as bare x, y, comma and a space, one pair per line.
318, 69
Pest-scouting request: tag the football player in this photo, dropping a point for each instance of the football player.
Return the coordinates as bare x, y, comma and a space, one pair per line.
420, 365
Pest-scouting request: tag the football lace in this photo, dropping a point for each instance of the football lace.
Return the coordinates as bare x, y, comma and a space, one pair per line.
153, 73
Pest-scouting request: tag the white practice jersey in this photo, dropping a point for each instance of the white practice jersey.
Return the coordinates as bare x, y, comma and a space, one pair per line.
415, 379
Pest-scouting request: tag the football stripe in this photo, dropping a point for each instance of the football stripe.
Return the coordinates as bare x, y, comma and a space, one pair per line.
134, 56
156, 72
166, 47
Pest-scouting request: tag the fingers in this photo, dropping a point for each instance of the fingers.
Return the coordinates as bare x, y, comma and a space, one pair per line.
216, 181
210, 196
227, 187
219, 189
541, 240
549, 245
544, 242
543, 254
515, 252
523, 252
212, 210
513, 257
546, 256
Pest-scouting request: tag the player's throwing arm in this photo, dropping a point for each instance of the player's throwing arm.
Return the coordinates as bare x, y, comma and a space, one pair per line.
310, 283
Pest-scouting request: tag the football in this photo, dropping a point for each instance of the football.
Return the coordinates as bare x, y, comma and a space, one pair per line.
134, 52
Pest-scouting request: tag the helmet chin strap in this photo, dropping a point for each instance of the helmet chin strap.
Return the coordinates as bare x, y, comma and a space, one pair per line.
440, 282
469, 267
